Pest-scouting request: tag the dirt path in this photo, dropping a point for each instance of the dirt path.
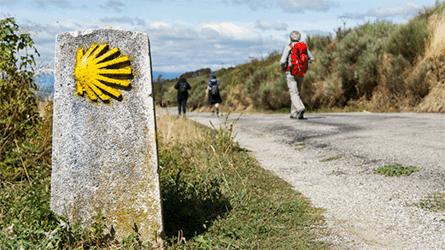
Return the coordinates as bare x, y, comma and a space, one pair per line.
330, 158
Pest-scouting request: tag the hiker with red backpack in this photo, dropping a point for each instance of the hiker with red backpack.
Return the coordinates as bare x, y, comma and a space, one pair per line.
183, 88
295, 62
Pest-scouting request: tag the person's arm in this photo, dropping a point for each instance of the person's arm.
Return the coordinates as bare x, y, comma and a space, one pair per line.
188, 86
208, 86
311, 57
284, 58
177, 85
207, 91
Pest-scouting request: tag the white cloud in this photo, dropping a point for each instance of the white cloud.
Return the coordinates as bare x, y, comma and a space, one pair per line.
124, 20
285, 5
253, 4
306, 5
229, 30
39, 3
270, 25
116, 5
404, 11
56, 3
288, 5
176, 47
159, 25
8, 2
317, 33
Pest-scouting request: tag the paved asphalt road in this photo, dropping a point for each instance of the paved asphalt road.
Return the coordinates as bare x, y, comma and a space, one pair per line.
331, 158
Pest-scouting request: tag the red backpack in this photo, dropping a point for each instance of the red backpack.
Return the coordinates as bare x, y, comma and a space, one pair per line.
299, 59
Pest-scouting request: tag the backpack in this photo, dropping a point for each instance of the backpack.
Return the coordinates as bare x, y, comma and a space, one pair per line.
299, 59
213, 84
182, 86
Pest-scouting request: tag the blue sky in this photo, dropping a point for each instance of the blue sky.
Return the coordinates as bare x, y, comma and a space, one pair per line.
191, 34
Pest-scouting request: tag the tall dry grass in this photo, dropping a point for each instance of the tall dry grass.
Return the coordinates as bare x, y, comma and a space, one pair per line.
215, 196
433, 66
174, 130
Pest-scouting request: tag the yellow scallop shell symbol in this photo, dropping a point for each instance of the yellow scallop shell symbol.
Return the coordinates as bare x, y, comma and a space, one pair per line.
101, 72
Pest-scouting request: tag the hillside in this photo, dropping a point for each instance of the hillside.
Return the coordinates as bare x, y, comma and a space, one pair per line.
377, 66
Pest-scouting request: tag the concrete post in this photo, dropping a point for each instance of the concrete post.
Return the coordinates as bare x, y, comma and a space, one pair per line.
104, 158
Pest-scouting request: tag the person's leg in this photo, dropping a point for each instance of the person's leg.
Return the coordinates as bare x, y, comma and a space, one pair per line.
217, 109
300, 107
293, 92
184, 107
179, 105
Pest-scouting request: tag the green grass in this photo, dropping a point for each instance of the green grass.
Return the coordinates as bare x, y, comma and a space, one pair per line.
26, 221
250, 208
396, 170
299, 145
214, 196
434, 202
333, 158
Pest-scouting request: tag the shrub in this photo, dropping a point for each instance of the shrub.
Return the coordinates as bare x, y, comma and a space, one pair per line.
358, 56
18, 107
273, 95
318, 42
409, 40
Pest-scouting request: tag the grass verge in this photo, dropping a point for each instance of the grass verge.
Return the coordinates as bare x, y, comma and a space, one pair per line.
434, 202
214, 196
396, 170
249, 209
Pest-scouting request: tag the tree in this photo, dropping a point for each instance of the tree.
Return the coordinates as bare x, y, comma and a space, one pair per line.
18, 107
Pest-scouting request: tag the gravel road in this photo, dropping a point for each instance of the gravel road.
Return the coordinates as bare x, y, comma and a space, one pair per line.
331, 158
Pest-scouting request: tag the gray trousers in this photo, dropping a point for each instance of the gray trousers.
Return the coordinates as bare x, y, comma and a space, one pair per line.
294, 84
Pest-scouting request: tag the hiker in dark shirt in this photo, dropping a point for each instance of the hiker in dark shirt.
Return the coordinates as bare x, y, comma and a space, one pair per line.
213, 94
183, 88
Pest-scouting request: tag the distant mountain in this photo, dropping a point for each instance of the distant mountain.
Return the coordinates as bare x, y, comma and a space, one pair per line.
45, 85
45, 81
166, 75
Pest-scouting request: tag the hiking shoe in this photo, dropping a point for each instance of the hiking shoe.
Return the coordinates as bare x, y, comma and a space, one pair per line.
301, 115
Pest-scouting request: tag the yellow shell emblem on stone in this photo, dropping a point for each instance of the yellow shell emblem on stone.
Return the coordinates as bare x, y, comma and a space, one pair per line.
101, 72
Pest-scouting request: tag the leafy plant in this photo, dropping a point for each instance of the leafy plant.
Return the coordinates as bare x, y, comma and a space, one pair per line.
434, 202
409, 40
358, 57
396, 170
18, 108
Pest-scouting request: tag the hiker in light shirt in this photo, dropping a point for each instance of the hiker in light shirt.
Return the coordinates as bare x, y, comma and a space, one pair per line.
295, 70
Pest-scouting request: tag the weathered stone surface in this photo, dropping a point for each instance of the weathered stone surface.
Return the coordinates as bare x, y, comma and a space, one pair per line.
105, 155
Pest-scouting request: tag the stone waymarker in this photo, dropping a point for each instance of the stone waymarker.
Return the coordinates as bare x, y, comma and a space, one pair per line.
104, 146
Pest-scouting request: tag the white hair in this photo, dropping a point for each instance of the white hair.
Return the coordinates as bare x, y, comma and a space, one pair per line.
295, 36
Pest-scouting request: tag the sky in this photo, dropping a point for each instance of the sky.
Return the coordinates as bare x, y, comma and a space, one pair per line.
187, 35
